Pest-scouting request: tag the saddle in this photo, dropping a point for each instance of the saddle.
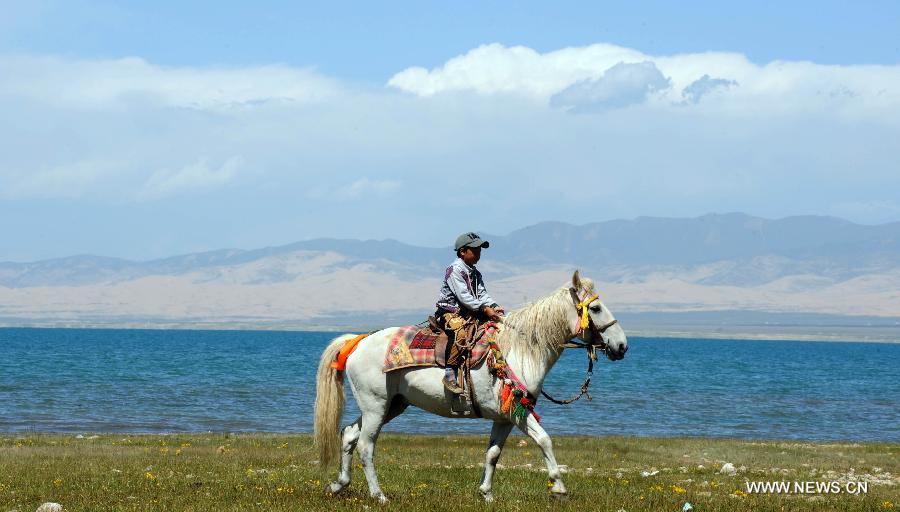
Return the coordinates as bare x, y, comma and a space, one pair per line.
432, 338
427, 346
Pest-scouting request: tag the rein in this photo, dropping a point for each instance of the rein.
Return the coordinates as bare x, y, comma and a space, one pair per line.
585, 322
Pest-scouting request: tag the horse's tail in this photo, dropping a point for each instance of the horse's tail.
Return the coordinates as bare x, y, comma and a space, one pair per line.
329, 403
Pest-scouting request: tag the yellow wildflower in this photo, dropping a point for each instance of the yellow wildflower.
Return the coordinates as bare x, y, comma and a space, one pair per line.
178, 451
887, 505
57, 482
149, 476
678, 490
739, 493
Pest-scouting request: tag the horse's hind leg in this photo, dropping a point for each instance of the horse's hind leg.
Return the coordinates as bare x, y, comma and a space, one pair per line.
499, 433
349, 437
371, 426
536, 432
375, 414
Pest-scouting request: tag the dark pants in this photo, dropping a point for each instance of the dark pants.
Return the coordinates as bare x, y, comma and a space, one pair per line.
454, 355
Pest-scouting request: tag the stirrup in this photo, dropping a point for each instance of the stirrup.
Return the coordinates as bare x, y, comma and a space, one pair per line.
452, 386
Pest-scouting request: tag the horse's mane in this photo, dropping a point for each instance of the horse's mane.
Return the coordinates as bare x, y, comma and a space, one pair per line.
535, 328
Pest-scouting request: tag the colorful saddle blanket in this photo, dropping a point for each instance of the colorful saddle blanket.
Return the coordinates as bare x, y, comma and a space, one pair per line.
411, 346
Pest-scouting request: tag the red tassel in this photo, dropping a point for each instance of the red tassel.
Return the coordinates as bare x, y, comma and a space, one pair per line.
504, 393
507, 404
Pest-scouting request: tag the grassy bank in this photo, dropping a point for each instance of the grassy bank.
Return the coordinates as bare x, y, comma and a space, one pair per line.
269, 472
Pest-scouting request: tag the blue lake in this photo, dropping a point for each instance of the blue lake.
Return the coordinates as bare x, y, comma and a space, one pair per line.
92, 380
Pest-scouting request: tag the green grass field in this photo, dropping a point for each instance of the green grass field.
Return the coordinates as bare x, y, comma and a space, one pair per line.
278, 472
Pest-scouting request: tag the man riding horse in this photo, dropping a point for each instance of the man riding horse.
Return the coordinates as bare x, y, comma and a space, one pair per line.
463, 300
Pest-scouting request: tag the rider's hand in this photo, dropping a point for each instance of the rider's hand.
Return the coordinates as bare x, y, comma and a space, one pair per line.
493, 313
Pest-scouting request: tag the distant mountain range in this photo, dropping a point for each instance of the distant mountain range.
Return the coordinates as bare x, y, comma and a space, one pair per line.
713, 263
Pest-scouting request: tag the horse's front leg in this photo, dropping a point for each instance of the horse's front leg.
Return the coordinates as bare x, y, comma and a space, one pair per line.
499, 433
536, 432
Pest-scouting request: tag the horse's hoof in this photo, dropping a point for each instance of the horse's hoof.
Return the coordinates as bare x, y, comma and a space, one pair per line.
333, 488
559, 496
382, 499
488, 497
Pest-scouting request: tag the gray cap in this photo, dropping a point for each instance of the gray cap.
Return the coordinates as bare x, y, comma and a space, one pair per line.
470, 240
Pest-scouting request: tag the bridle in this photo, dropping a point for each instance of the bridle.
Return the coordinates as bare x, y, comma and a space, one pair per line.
586, 322
596, 341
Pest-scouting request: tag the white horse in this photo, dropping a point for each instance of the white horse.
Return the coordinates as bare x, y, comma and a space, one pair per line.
531, 340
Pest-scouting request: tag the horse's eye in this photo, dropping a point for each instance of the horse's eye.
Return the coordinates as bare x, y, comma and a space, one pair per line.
595, 309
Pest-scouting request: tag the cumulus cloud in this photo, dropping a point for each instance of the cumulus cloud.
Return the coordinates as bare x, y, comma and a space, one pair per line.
784, 85
494, 68
620, 86
705, 85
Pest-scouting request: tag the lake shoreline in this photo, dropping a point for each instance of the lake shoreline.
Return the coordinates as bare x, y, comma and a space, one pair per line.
86, 435
838, 334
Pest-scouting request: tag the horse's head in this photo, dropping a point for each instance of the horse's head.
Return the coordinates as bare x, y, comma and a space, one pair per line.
597, 326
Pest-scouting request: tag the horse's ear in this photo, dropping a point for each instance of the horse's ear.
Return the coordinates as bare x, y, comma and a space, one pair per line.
576, 280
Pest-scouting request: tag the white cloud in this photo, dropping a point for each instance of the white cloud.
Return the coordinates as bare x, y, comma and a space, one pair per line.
360, 188
130, 81
474, 142
620, 86
64, 180
198, 175
781, 85
366, 186
494, 68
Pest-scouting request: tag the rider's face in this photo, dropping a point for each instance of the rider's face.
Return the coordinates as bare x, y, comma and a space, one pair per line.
470, 255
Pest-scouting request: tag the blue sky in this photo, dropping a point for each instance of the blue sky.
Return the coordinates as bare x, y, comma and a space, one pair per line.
149, 129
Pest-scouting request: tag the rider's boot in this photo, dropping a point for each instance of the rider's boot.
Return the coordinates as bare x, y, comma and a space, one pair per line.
450, 381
